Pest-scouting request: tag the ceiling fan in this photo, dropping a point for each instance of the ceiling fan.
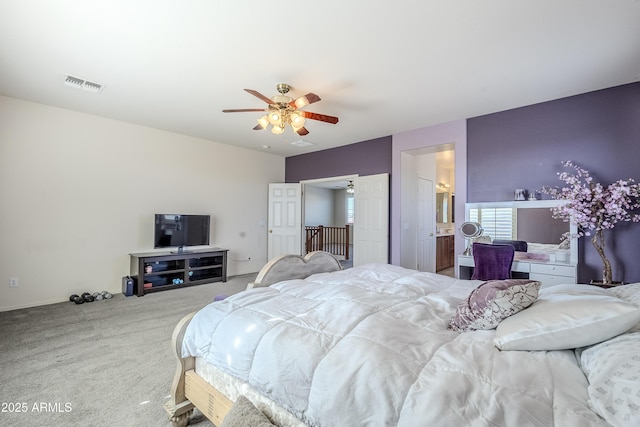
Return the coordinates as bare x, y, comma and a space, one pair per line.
283, 110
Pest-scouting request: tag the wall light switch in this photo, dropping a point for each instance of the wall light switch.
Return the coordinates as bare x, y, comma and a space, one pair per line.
13, 282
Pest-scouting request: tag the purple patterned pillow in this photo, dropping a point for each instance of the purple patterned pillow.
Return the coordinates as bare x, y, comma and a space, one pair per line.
492, 302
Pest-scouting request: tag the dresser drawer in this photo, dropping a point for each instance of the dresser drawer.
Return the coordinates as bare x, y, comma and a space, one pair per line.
551, 279
554, 269
521, 267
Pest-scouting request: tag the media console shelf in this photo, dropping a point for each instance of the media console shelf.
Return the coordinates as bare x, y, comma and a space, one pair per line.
161, 271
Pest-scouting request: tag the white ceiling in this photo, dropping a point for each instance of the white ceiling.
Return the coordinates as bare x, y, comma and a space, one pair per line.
382, 67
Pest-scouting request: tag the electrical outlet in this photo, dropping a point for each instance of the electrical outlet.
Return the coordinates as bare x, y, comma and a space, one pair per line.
13, 282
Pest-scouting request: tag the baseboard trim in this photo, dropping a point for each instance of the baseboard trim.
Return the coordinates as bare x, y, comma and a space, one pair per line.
35, 304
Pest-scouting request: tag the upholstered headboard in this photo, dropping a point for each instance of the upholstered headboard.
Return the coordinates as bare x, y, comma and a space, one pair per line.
286, 267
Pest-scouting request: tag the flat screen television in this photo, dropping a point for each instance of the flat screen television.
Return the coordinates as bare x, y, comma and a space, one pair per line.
176, 230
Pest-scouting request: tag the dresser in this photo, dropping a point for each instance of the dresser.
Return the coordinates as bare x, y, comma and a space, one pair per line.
546, 272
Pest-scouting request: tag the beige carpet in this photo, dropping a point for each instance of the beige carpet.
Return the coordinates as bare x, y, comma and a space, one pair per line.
106, 363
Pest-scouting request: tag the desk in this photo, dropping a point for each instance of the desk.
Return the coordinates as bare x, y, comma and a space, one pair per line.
546, 272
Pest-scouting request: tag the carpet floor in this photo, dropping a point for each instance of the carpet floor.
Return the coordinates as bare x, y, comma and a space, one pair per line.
105, 363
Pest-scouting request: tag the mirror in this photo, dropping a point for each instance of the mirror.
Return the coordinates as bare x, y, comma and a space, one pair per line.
528, 224
443, 208
470, 230
530, 221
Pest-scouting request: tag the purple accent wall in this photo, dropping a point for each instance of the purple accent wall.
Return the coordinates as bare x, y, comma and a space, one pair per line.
523, 148
362, 158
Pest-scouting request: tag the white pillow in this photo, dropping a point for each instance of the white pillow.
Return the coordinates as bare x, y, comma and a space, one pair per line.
613, 371
567, 316
629, 293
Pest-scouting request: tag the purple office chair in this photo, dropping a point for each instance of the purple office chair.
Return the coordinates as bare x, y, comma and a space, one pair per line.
492, 262
518, 245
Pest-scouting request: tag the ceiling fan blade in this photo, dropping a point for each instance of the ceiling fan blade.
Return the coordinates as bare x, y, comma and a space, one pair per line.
320, 117
243, 110
302, 131
307, 99
259, 95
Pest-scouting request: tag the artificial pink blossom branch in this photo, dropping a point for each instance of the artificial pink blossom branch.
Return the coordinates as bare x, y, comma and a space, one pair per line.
593, 207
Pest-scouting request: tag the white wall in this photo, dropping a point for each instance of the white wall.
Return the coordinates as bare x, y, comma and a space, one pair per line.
339, 208
79, 193
318, 206
408, 240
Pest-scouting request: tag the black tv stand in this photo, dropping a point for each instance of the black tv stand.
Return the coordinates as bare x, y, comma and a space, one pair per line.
182, 250
161, 271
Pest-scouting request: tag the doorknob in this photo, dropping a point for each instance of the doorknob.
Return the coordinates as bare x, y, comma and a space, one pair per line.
270, 231
430, 234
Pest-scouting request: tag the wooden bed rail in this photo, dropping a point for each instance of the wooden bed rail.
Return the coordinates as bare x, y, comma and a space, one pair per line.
189, 390
178, 407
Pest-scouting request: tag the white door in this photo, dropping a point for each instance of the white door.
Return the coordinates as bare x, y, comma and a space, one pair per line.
285, 220
371, 224
426, 225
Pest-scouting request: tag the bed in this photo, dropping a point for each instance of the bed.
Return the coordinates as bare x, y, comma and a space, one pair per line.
311, 344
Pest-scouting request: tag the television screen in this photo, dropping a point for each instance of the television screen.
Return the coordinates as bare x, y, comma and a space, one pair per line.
173, 230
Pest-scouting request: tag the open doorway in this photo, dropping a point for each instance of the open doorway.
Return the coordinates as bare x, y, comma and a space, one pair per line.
328, 217
427, 220
370, 213
445, 212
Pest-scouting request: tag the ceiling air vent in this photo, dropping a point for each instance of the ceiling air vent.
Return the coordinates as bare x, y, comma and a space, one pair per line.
302, 143
79, 83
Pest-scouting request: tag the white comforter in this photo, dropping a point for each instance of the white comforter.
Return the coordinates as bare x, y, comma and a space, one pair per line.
369, 346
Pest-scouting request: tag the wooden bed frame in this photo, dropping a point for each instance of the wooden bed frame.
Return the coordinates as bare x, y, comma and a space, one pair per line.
189, 390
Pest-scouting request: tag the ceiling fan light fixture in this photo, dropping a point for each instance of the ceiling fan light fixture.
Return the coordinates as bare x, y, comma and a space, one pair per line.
296, 119
275, 118
263, 121
283, 111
